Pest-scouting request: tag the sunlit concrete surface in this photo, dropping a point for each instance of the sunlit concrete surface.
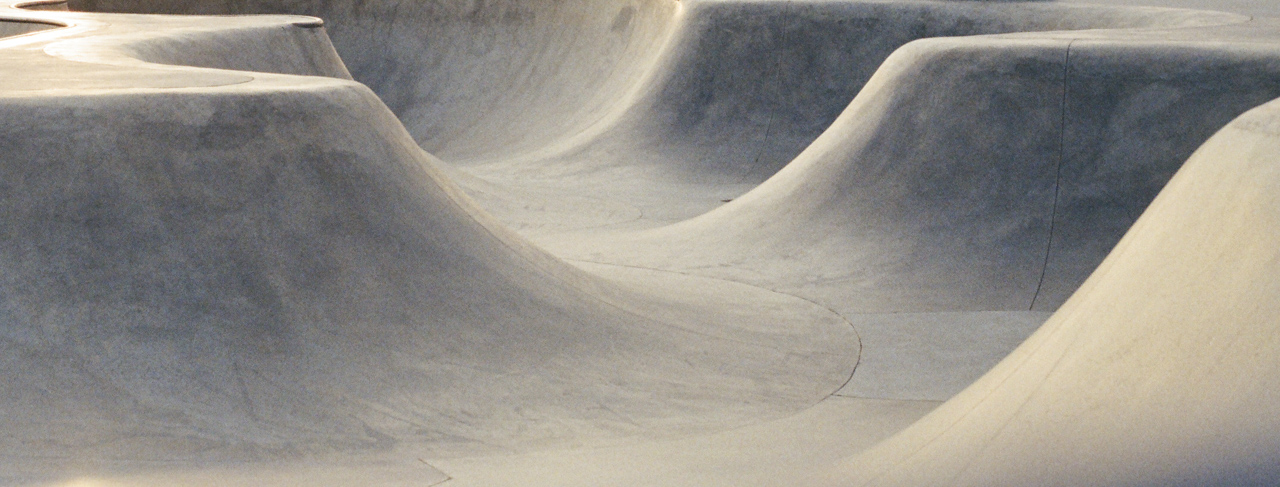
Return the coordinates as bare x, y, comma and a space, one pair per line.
639, 242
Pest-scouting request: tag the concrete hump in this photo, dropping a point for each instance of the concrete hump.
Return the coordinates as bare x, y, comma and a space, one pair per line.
206, 262
1159, 371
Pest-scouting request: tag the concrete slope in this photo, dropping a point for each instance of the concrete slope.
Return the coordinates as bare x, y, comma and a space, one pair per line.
1159, 371
211, 265
634, 113
705, 118
486, 79
747, 85
226, 263
743, 89
902, 205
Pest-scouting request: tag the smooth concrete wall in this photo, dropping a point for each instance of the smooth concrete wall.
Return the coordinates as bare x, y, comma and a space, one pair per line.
206, 265
300, 48
203, 266
1133, 114
746, 85
1160, 371
712, 107
477, 79
9, 28
912, 209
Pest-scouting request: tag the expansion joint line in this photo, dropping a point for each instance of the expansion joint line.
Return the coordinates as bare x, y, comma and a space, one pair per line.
447, 477
857, 336
1057, 179
768, 126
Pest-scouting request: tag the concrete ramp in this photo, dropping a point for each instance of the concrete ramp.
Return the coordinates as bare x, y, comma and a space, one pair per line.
210, 266
902, 206
636, 242
479, 79
1159, 371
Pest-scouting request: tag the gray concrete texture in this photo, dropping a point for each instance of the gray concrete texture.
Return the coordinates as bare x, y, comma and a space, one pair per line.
639, 242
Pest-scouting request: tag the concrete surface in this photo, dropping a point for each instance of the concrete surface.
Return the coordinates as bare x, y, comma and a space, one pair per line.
1158, 371
638, 242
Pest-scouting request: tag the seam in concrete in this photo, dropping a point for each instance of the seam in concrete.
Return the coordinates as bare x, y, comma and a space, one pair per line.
768, 126
447, 477
901, 460
857, 336
895, 399
1057, 179
244, 391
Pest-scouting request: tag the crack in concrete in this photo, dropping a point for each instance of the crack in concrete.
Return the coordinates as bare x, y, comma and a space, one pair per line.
1057, 181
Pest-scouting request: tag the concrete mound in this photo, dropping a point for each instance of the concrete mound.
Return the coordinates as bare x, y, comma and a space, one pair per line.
204, 266
1159, 371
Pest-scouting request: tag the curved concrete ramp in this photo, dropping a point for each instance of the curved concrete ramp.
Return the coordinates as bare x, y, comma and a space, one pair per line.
482, 79
1160, 370
636, 242
902, 206
204, 266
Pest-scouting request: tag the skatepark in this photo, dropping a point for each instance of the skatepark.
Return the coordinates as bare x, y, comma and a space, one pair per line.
639, 242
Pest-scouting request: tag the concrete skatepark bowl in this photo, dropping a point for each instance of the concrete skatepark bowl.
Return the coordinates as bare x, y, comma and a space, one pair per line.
639, 242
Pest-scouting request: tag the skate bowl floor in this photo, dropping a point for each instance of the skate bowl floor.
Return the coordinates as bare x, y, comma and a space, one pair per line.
639, 242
